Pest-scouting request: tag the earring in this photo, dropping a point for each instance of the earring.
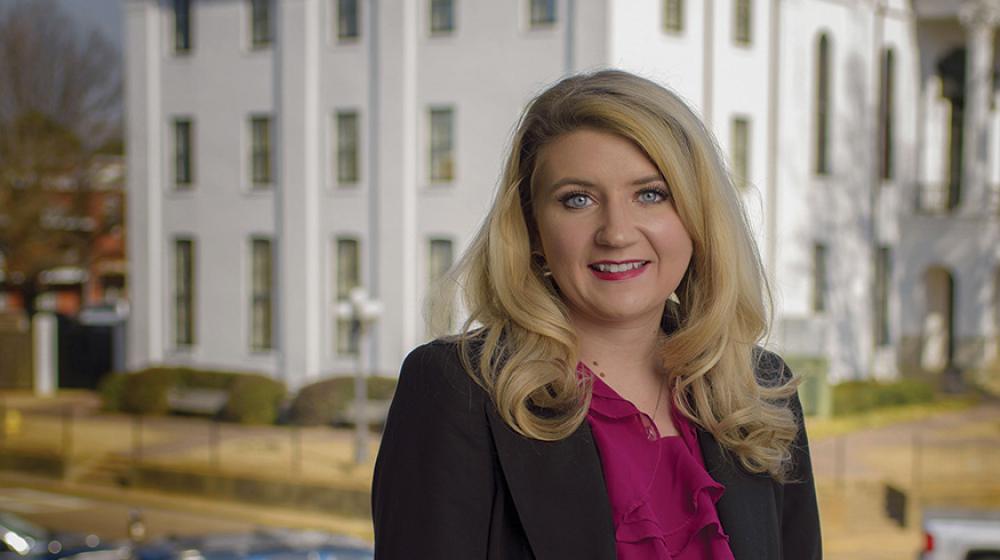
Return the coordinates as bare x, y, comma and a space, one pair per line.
542, 265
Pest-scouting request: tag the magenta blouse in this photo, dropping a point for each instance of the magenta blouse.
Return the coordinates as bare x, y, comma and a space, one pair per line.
662, 498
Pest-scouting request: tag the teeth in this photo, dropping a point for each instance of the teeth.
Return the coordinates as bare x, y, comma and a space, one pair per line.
605, 267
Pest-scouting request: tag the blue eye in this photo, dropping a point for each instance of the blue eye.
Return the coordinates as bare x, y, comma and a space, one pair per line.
576, 200
650, 196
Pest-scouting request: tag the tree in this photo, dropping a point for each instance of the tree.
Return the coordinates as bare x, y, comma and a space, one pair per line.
60, 107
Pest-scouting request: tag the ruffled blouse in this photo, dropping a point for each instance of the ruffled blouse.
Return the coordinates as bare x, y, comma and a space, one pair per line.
662, 498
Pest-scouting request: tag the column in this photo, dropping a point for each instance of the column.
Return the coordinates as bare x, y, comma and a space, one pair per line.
980, 18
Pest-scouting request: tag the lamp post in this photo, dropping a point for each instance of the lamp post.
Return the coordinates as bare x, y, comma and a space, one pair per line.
361, 312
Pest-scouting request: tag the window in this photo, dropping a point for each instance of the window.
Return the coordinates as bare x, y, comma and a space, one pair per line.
883, 278
442, 16
260, 23
819, 277
439, 260
740, 146
183, 292
442, 142
887, 110
260, 151
260, 294
182, 26
543, 13
183, 147
673, 16
822, 117
347, 20
743, 22
348, 275
347, 147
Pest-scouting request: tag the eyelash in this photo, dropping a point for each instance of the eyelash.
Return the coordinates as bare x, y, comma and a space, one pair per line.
564, 199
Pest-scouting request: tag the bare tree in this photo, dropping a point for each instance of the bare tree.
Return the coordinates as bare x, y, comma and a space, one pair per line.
60, 106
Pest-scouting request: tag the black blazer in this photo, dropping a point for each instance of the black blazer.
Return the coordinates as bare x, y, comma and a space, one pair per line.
454, 482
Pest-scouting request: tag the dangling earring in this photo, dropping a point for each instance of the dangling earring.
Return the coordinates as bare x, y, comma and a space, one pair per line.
542, 265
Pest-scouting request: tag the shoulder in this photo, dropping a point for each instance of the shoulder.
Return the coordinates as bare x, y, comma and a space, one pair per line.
769, 368
433, 377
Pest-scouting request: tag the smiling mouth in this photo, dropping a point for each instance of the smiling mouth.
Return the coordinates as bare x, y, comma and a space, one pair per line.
617, 268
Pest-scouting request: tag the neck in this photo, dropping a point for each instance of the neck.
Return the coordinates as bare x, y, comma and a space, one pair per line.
627, 349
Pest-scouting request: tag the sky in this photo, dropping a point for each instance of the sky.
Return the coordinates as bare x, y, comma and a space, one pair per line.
104, 15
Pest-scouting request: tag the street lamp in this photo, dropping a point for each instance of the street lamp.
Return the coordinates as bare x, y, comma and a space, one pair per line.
361, 312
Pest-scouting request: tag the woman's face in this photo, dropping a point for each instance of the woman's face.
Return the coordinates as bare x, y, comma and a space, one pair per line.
608, 228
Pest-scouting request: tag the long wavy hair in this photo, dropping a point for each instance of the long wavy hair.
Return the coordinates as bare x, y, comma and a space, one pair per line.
518, 343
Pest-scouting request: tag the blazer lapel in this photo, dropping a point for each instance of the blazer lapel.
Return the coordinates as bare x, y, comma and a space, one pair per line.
747, 509
559, 493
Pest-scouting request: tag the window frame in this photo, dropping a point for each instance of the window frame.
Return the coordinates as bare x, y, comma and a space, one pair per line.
261, 296
184, 292
349, 32
182, 37
183, 153
341, 152
670, 24
344, 282
436, 149
261, 154
432, 20
548, 10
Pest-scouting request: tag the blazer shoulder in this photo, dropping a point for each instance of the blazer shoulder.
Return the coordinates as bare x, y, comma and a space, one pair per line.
433, 374
769, 368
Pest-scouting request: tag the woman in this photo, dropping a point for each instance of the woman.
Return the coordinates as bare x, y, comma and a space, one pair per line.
605, 398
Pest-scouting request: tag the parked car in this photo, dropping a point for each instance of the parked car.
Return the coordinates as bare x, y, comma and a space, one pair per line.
951, 534
22, 539
263, 544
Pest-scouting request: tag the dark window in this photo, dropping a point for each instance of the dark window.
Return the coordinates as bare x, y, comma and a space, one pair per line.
347, 19
183, 146
673, 16
442, 141
543, 13
883, 280
822, 116
741, 151
743, 22
348, 275
442, 16
260, 294
182, 25
347, 147
260, 150
184, 292
819, 277
887, 111
260, 23
439, 260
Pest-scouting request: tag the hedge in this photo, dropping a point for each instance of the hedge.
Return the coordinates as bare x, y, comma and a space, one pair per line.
320, 403
253, 398
851, 397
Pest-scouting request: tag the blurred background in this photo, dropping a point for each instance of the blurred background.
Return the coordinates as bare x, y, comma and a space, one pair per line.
220, 221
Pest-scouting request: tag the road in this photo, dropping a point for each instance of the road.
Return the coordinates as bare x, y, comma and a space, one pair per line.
107, 520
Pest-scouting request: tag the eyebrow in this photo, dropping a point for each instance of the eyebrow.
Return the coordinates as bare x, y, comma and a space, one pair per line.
584, 183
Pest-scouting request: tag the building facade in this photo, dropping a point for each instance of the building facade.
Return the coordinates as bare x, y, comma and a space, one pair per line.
282, 152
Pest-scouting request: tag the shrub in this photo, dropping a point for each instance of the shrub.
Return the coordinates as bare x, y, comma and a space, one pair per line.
145, 391
323, 401
254, 399
852, 397
112, 391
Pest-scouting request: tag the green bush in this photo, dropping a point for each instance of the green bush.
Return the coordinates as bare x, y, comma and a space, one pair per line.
145, 391
254, 399
852, 397
112, 390
321, 402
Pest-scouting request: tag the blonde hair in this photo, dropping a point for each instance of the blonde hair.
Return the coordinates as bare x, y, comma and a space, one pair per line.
518, 343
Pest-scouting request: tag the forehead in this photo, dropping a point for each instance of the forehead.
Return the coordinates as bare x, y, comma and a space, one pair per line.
595, 156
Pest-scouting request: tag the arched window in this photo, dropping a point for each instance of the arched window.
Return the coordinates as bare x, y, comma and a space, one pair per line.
887, 109
822, 116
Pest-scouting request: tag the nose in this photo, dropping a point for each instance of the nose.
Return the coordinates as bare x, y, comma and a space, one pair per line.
617, 227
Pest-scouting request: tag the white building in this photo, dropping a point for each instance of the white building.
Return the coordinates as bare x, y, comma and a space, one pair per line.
280, 152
